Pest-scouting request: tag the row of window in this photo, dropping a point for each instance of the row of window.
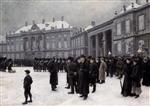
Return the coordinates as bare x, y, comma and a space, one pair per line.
127, 28
77, 42
77, 52
15, 47
59, 44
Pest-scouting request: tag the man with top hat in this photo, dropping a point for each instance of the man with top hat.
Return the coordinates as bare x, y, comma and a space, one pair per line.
27, 87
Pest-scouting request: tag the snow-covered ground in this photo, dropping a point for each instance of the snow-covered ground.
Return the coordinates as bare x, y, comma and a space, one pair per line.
108, 94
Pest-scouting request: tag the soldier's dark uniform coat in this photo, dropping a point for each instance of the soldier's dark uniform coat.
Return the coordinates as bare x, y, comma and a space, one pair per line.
93, 72
72, 73
53, 69
84, 79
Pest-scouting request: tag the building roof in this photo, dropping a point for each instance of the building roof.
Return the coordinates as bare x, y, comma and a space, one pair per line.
88, 27
2, 39
130, 7
45, 26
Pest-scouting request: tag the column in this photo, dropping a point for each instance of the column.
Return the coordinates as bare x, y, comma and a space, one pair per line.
104, 44
97, 45
89, 46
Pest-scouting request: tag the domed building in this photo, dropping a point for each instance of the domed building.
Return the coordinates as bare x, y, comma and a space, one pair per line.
43, 40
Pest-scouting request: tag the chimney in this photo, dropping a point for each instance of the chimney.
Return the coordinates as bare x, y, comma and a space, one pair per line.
124, 8
147, 1
53, 19
93, 23
43, 21
137, 2
116, 12
62, 18
33, 22
26, 23
142, 2
80, 29
132, 5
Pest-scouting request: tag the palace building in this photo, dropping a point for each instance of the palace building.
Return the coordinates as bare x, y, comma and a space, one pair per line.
47, 39
127, 33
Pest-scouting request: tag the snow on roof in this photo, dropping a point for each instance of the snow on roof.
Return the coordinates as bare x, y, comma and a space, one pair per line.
130, 7
2, 38
88, 27
24, 28
46, 26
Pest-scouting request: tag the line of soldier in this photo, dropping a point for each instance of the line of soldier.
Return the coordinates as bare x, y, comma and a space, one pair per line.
6, 64
41, 64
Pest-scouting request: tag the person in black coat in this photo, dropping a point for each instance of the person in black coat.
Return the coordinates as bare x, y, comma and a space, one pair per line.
98, 62
72, 73
146, 72
111, 67
27, 87
127, 84
53, 69
67, 76
93, 72
84, 78
10, 64
136, 76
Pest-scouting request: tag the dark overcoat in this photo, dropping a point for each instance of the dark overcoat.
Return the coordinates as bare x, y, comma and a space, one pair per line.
127, 84
93, 72
84, 78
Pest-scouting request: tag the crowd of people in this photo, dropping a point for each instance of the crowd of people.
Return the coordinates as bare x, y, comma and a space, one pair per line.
83, 72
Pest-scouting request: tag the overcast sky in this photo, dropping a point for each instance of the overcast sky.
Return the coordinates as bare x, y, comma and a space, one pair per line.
77, 13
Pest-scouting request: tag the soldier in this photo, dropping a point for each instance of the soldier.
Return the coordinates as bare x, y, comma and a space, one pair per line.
52, 68
27, 87
98, 62
44, 65
93, 72
84, 78
111, 67
72, 72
